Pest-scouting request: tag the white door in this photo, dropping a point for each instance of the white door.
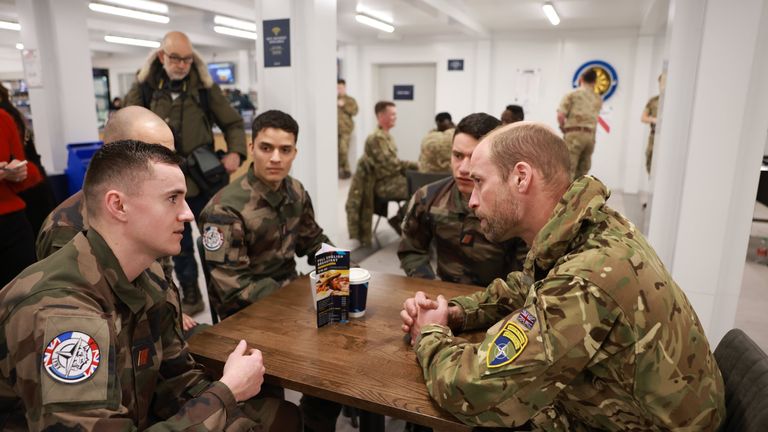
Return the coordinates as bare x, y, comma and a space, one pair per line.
414, 117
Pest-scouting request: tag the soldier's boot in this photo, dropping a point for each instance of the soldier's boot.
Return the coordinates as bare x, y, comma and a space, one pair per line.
192, 300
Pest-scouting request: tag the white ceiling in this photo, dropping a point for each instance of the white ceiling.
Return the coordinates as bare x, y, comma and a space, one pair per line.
414, 20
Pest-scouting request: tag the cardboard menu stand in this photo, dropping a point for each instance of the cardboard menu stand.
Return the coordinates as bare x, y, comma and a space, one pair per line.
332, 285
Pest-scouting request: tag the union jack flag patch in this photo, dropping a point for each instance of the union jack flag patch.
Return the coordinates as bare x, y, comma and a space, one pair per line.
526, 319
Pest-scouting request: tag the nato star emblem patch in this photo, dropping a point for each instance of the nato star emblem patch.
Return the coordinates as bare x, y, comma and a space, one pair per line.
506, 346
71, 357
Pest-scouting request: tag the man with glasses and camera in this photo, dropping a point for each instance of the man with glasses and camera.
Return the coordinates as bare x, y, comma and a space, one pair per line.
174, 84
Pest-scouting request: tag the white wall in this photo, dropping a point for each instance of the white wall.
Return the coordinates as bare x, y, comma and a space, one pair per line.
488, 84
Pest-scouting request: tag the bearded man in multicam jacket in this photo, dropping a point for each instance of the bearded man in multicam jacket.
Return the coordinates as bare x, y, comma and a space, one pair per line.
593, 333
90, 337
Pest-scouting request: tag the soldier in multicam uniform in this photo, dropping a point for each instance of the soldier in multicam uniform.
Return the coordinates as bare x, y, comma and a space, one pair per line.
577, 117
347, 108
70, 217
439, 213
435, 156
593, 334
650, 114
90, 336
254, 227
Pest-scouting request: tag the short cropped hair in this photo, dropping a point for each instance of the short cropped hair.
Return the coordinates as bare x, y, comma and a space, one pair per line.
517, 112
123, 164
477, 125
589, 76
382, 106
277, 120
341, 81
443, 116
535, 144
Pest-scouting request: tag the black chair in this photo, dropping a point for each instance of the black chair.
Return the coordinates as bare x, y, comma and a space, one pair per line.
207, 275
745, 372
417, 179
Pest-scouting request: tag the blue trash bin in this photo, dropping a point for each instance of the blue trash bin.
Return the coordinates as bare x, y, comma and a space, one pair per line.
79, 156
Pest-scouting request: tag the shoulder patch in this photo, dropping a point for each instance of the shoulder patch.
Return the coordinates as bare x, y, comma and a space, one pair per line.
71, 357
526, 319
213, 238
506, 346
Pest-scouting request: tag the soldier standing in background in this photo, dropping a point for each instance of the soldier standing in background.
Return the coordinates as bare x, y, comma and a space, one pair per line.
438, 214
593, 334
435, 156
650, 114
90, 336
347, 108
577, 117
512, 114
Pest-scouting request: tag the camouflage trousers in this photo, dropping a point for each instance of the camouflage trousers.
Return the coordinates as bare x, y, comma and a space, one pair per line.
649, 154
271, 412
344, 152
580, 147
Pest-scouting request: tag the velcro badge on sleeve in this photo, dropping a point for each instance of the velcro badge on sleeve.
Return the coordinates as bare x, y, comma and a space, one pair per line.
213, 238
506, 346
216, 239
526, 319
75, 359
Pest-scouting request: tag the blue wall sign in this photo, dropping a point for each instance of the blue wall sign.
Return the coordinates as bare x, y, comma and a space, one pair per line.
403, 92
277, 43
607, 79
456, 64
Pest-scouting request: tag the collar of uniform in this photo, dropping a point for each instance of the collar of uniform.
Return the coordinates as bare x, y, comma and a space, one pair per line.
580, 205
273, 197
458, 204
382, 131
129, 293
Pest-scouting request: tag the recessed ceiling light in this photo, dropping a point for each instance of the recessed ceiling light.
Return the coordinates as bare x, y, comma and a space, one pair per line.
19, 46
128, 13
373, 22
146, 5
235, 32
235, 23
551, 13
132, 41
10, 25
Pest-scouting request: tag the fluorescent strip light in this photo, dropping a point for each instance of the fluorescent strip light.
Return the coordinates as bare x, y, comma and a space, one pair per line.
8, 25
379, 15
146, 5
19, 46
235, 23
551, 13
128, 13
235, 32
132, 41
364, 19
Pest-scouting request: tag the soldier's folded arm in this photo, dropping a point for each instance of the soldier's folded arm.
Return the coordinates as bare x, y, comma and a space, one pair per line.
38, 333
484, 307
525, 360
350, 106
413, 250
385, 162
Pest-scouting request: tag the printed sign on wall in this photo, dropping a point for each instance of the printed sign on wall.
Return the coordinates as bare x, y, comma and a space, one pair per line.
403, 92
277, 43
456, 64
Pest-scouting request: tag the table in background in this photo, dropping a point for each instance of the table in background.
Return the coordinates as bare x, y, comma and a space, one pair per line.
365, 363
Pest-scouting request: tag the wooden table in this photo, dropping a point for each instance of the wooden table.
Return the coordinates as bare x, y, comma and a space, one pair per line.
365, 363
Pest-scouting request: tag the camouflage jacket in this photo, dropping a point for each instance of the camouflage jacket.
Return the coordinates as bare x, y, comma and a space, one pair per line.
345, 114
652, 109
69, 219
581, 108
592, 334
435, 153
381, 153
437, 214
82, 348
251, 235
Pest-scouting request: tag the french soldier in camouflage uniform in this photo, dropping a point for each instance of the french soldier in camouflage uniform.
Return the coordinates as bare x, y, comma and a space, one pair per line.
592, 334
90, 336
347, 108
435, 156
577, 117
650, 115
438, 214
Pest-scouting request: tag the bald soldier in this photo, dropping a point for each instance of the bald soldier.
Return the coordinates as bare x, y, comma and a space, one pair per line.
70, 217
592, 334
174, 83
89, 337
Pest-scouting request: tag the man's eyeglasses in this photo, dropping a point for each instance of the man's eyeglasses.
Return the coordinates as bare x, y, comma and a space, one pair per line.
174, 59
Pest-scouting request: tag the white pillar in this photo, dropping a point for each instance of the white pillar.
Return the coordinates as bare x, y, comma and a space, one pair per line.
63, 105
712, 134
637, 132
307, 91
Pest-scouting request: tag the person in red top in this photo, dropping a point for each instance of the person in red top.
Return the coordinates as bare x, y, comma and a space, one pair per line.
17, 242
